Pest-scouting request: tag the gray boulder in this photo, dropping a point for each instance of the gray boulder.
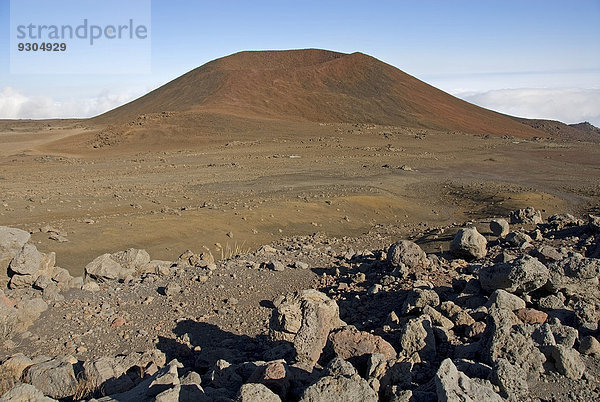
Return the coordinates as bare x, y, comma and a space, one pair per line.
589, 346
21, 281
305, 319
54, 378
575, 274
25, 393
172, 289
183, 393
568, 362
8, 321
523, 275
104, 268
504, 300
469, 244
499, 227
454, 386
417, 340
29, 260
528, 215
132, 259
519, 240
511, 379
503, 339
14, 366
107, 373
256, 392
560, 221
418, 298
29, 310
406, 252
340, 388
12, 241
164, 379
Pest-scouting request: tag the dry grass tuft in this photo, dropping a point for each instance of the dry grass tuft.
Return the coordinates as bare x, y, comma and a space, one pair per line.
237, 249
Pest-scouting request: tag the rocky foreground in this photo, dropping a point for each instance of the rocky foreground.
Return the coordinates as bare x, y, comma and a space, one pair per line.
511, 315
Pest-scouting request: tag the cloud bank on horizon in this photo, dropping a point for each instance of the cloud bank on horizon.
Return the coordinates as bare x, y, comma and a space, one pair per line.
14, 104
568, 105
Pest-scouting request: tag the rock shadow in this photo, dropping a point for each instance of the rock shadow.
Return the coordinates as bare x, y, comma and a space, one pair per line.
199, 345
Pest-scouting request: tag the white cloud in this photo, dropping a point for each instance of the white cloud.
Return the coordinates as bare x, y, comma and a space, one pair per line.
569, 105
16, 105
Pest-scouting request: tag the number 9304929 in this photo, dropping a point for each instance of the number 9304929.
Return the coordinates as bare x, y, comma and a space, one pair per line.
42, 47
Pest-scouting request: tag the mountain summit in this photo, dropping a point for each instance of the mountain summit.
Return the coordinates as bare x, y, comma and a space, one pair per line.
317, 86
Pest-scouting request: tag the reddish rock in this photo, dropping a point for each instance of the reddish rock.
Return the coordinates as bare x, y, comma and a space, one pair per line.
118, 322
531, 316
274, 371
274, 376
475, 329
348, 342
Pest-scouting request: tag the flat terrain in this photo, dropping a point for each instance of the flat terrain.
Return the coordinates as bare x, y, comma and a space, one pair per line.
187, 181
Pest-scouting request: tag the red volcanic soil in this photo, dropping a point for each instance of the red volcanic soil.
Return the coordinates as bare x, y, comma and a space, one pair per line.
316, 86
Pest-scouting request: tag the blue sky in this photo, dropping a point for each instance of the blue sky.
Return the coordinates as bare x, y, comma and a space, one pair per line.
528, 57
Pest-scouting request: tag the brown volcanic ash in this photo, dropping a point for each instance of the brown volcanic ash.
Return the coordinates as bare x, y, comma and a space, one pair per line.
316, 86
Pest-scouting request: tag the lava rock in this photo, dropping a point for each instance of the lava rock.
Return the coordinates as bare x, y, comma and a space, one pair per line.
469, 244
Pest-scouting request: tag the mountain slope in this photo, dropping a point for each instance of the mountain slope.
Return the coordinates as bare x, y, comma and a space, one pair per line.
317, 86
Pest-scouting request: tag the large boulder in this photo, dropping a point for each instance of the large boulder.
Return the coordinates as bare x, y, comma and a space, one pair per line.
418, 298
183, 393
9, 321
511, 379
502, 299
107, 373
575, 274
54, 378
29, 310
340, 388
417, 340
499, 227
469, 244
503, 339
589, 346
348, 342
104, 268
25, 393
568, 362
519, 240
14, 366
454, 386
523, 275
528, 215
132, 259
406, 252
256, 392
29, 261
12, 241
305, 319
